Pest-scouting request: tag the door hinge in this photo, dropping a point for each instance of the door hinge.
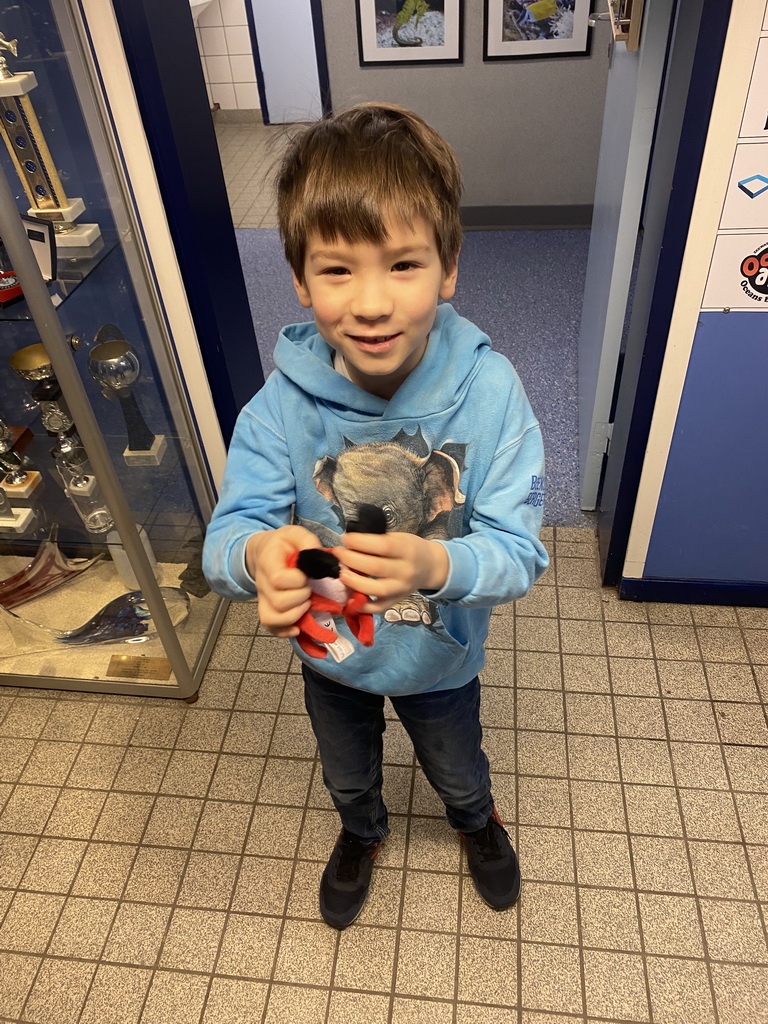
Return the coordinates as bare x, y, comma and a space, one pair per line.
601, 438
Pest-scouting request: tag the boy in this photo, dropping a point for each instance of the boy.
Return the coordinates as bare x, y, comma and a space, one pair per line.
390, 400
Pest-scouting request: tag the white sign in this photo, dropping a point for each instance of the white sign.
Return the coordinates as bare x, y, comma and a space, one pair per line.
755, 123
746, 201
738, 273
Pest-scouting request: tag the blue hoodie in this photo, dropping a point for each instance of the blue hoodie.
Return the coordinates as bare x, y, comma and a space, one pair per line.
454, 456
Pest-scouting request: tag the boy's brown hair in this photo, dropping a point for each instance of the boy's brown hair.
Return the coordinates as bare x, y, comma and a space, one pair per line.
343, 175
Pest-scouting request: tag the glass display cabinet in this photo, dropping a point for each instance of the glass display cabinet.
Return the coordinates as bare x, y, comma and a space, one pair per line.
105, 488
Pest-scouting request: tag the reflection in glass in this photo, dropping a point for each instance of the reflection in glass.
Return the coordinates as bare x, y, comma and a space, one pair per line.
47, 570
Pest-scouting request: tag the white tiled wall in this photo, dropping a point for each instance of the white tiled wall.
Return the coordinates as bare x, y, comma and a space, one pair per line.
225, 49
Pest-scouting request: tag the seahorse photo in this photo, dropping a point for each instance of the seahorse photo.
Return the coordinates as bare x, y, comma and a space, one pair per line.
410, 23
538, 19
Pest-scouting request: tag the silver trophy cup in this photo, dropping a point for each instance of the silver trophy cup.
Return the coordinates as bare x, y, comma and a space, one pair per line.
115, 366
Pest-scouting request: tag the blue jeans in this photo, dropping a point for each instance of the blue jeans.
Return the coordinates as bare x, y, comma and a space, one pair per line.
444, 726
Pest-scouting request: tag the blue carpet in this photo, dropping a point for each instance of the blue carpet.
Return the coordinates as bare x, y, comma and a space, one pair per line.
523, 288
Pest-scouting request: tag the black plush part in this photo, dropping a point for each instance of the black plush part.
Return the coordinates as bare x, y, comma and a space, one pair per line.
370, 519
318, 564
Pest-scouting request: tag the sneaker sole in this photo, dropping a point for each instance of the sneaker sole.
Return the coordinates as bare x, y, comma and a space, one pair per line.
499, 906
342, 927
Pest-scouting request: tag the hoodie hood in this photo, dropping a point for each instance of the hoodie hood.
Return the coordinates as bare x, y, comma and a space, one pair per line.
437, 383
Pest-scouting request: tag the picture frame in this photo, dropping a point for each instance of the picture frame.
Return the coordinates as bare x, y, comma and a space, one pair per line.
519, 29
388, 31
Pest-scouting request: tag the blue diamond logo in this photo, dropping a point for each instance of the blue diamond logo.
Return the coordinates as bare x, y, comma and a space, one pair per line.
754, 186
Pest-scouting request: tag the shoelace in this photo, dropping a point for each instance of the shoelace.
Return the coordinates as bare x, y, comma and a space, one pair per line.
352, 856
487, 841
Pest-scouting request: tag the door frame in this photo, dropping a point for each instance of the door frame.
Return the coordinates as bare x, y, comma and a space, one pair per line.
685, 112
634, 89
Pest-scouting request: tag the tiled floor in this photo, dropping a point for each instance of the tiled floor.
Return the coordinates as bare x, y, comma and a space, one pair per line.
249, 154
159, 861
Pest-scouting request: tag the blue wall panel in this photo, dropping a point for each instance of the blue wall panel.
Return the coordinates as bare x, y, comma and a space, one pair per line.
712, 518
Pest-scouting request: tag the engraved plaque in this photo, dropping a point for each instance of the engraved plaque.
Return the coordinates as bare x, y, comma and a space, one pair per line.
131, 666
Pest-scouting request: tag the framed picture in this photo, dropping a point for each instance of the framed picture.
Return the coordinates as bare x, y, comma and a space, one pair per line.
536, 28
410, 31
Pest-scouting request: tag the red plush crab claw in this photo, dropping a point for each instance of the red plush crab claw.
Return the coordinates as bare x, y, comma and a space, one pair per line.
329, 597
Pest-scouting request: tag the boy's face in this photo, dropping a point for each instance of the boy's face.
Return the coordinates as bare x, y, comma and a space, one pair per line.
376, 304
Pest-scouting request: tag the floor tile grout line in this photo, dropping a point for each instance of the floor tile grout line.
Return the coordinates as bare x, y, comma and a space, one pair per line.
399, 926
553, 883
515, 726
295, 861
228, 912
628, 833
337, 944
572, 819
689, 859
549, 944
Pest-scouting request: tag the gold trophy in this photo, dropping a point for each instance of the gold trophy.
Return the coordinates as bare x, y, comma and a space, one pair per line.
32, 159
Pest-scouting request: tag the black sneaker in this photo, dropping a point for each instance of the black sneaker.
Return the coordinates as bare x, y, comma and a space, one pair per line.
346, 879
493, 863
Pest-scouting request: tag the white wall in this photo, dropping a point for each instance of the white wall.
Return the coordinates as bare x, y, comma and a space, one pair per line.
527, 132
225, 49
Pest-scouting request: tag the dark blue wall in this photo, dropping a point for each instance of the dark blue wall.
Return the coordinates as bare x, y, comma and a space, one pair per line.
712, 518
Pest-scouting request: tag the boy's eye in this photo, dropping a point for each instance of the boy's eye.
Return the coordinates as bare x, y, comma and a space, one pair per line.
335, 270
405, 265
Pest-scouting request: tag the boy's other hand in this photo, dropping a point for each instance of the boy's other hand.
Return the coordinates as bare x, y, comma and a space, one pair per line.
400, 563
283, 593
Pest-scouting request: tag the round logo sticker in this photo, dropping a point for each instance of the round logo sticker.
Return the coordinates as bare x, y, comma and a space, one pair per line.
754, 273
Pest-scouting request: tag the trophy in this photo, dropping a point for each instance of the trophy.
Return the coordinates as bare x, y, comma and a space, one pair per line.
15, 520
19, 479
32, 159
80, 484
115, 366
33, 364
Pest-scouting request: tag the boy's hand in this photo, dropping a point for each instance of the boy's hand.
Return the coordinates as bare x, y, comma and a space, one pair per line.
283, 593
400, 562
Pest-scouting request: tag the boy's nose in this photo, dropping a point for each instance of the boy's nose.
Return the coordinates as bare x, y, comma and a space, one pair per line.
371, 302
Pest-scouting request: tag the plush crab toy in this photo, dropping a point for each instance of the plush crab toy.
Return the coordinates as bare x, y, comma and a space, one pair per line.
330, 597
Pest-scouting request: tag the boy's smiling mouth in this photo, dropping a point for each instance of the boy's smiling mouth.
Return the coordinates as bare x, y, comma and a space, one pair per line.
374, 342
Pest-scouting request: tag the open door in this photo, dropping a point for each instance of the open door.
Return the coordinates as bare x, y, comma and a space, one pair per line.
289, 48
634, 86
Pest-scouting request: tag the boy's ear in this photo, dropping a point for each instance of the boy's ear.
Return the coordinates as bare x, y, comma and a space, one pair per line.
448, 286
302, 291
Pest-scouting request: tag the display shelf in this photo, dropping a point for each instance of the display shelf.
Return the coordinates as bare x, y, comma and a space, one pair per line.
71, 271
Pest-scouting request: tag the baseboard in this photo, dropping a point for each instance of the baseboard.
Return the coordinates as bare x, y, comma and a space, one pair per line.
750, 595
502, 218
249, 116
